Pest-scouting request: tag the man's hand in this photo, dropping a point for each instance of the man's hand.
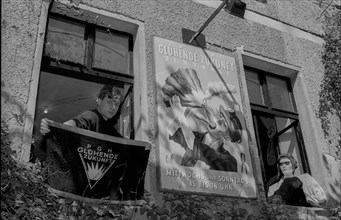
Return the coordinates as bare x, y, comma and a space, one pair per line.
44, 126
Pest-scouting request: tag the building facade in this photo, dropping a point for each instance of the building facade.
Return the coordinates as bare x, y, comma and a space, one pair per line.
56, 54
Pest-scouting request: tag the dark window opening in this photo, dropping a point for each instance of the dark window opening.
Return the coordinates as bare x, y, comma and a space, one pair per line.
276, 123
78, 59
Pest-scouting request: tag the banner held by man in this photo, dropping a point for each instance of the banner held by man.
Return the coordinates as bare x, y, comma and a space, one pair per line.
95, 165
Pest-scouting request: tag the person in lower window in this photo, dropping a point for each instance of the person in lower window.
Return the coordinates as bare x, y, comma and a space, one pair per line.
302, 190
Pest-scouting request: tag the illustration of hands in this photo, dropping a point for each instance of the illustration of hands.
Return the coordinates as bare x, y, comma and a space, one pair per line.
180, 122
233, 123
186, 85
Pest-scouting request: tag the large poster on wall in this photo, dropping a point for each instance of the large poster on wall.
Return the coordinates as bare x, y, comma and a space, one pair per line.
202, 138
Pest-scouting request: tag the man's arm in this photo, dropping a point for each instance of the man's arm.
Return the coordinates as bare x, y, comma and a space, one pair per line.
45, 125
288, 188
70, 123
272, 189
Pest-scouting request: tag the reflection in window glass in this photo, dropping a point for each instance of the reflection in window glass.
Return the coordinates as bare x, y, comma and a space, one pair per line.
65, 41
267, 142
111, 52
254, 88
124, 123
288, 141
279, 94
61, 98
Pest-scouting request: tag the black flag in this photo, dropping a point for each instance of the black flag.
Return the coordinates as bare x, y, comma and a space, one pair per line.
95, 165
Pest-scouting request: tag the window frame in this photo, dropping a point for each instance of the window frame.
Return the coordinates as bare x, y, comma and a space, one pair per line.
267, 109
89, 36
308, 122
116, 21
106, 18
87, 72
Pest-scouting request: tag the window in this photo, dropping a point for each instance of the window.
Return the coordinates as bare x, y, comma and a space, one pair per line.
78, 59
275, 119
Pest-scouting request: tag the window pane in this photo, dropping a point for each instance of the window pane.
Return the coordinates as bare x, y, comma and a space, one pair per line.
63, 97
111, 52
65, 41
60, 98
268, 143
124, 123
288, 141
254, 88
279, 94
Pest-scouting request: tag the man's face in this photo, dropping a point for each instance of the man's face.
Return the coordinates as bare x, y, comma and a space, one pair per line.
286, 166
109, 106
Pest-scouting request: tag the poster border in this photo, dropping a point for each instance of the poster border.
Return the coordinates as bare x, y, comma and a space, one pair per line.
241, 91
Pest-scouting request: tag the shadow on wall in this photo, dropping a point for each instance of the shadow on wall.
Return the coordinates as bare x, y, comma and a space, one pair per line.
329, 111
8, 99
333, 167
14, 115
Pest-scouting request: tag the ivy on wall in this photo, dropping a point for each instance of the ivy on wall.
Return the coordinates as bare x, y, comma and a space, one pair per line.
330, 93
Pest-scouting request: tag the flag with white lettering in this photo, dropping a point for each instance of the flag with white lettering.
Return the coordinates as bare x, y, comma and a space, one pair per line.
95, 165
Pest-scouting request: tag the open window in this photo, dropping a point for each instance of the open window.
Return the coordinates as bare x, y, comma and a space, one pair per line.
84, 49
276, 121
78, 59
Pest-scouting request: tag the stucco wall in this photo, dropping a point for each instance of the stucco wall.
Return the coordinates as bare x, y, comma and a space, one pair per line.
19, 25
301, 14
165, 19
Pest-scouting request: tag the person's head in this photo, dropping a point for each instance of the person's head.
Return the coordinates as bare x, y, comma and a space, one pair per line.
286, 165
109, 100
